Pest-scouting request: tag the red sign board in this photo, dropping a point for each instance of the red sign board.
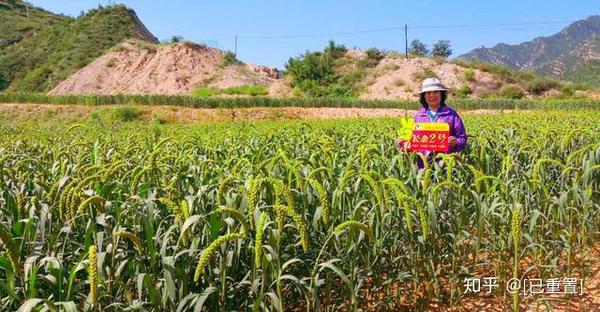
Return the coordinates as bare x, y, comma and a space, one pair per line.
430, 136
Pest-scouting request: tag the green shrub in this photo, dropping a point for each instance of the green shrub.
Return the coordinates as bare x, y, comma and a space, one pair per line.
539, 85
176, 39
203, 92
511, 92
394, 54
398, 82
240, 90
127, 113
372, 57
529, 80
37, 79
585, 75
439, 60
95, 115
391, 66
427, 72
314, 66
336, 91
158, 120
335, 50
313, 72
350, 79
296, 93
246, 90
229, 58
111, 63
469, 75
567, 90
464, 90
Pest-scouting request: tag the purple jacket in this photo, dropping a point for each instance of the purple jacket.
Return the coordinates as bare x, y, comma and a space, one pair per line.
451, 117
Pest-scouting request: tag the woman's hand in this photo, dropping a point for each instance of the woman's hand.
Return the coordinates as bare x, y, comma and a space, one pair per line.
401, 144
452, 141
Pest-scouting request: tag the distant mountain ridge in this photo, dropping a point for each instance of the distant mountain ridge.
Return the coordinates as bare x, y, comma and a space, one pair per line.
558, 55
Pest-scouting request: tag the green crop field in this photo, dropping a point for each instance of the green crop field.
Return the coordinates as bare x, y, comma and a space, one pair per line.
241, 102
291, 215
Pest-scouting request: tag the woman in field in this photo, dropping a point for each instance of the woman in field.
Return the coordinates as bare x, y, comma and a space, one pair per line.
433, 99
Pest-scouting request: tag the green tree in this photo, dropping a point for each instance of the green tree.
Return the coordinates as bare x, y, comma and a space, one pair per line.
418, 48
335, 50
316, 66
442, 49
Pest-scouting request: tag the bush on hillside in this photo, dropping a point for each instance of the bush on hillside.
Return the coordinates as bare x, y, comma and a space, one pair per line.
464, 90
567, 90
127, 113
427, 72
229, 58
469, 75
313, 72
372, 57
335, 50
539, 85
511, 92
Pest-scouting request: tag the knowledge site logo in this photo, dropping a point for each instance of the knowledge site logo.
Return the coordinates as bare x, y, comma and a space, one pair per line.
533, 286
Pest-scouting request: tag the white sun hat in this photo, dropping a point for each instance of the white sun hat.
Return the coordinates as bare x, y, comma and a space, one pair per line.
432, 84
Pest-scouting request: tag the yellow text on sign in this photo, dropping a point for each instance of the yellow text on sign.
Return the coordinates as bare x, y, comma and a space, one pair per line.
432, 126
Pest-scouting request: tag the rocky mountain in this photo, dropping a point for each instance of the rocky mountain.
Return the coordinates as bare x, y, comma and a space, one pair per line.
560, 55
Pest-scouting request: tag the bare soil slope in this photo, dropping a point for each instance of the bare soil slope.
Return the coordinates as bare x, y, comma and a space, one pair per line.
141, 68
136, 67
399, 78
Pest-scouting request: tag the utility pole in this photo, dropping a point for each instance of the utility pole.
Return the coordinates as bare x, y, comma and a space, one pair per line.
235, 46
406, 40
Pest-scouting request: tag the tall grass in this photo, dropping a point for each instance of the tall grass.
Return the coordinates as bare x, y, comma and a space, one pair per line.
259, 101
239, 90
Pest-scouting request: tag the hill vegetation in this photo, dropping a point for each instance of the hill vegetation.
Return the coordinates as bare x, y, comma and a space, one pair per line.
100, 52
588, 75
331, 73
343, 73
40, 49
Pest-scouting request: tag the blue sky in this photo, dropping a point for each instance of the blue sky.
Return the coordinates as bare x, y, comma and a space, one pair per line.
217, 22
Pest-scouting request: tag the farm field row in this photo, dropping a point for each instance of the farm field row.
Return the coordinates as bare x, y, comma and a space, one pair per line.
294, 215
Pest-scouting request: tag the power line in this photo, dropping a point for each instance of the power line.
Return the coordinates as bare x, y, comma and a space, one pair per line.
388, 29
325, 34
490, 25
398, 28
379, 30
